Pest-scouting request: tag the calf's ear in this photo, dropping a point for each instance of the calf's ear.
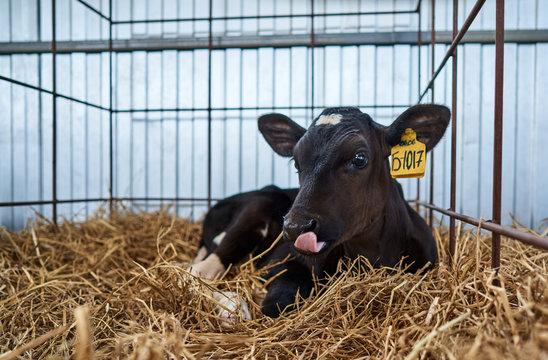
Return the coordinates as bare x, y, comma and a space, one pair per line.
428, 121
280, 132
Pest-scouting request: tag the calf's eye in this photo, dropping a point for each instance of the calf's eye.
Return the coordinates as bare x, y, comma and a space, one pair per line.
360, 160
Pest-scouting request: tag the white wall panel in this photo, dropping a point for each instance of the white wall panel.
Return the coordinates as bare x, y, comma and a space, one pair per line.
165, 153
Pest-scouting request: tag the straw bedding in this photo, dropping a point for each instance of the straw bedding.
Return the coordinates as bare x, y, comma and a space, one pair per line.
114, 286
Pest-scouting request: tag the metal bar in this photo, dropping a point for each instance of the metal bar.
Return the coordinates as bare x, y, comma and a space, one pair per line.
95, 10
177, 127
147, 127
312, 59
24, 203
473, 13
209, 120
273, 102
418, 8
106, 199
54, 113
162, 90
40, 106
433, 53
257, 108
240, 120
166, 199
419, 45
524, 237
497, 148
259, 17
110, 113
257, 96
453, 137
193, 128
52, 92
277, 41
11, 121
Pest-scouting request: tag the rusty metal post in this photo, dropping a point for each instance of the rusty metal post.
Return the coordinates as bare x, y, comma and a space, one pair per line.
497, 148
465, 26
453, 137
433, 44
209, 119
525, 237
54, 114
110, 113
419, 45
312, 58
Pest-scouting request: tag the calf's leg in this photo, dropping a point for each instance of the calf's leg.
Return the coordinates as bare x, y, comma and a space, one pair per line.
283, 290
250, 229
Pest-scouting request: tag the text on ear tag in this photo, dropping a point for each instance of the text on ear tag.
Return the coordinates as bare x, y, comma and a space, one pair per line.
408, 158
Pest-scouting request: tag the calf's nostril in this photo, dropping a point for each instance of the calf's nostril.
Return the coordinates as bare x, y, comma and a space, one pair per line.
311, 226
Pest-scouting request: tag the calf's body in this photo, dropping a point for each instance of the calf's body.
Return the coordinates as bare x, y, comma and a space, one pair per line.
347, 203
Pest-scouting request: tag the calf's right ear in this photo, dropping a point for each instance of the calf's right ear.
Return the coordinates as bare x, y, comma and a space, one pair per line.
280, 132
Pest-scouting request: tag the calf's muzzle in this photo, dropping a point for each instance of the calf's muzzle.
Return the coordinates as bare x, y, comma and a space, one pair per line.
295, 226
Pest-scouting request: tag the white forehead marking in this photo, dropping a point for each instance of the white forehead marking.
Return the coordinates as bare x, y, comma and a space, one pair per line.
219, 238
332, 119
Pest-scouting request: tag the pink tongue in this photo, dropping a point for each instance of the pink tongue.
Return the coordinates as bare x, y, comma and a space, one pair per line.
309, 242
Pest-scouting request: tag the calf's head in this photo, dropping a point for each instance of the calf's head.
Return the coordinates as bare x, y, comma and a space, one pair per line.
342, 163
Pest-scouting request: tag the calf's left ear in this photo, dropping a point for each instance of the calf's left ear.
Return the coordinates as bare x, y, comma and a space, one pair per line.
428, 121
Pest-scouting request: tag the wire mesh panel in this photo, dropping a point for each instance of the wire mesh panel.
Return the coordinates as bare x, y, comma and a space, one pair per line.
188, 81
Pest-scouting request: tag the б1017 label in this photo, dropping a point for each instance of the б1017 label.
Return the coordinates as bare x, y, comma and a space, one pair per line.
408, 158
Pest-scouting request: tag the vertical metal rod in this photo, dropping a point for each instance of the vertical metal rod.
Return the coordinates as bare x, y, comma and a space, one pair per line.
192, 138
11, 122
177, 120
242, 112
453, 137
433, 43
419, 46
147, 127
273, 157
312, 41
54, 114
257, 87
40, 107
210, 47
241, 125
497, 149
192, 120
289, 165
162, 114
225, 122
111, 167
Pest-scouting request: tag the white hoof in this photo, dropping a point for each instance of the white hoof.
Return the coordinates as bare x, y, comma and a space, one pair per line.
210, 268
231, 308
202, 252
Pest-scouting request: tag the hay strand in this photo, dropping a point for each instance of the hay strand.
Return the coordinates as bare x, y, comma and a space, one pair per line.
123, 275
33, 343
84, 340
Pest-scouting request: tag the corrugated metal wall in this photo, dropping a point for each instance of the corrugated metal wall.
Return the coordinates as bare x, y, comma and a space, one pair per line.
164, 153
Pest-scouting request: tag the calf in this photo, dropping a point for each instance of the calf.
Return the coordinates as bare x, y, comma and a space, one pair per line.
347, 204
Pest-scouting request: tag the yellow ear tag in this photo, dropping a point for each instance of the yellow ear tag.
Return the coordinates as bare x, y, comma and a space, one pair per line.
408, 157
